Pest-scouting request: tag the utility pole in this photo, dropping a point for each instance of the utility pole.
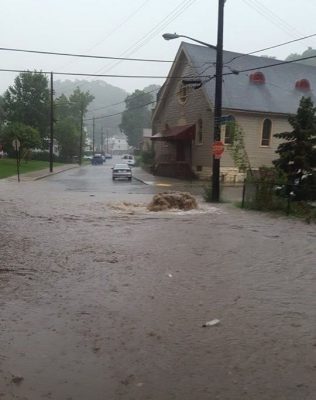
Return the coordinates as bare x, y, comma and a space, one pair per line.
107, 141
81, 133
93, 135
102, 141
218, 100
51, 140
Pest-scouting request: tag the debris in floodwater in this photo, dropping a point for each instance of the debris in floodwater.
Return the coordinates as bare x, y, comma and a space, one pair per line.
17, 379
172, 200
214, 322
170, 275
126, 207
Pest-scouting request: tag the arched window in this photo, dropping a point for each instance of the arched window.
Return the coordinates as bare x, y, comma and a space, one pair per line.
200, 131
266, 132
229, 131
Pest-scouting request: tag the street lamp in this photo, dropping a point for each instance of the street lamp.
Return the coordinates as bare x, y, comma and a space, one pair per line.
171, 36
218, 91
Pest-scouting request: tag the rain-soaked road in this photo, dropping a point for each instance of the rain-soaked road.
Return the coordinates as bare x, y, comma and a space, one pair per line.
101, 299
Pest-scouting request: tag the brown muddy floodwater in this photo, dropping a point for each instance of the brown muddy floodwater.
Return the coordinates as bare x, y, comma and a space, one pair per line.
102, 300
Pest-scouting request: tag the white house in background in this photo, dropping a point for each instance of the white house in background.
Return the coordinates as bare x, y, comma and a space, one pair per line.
118, 145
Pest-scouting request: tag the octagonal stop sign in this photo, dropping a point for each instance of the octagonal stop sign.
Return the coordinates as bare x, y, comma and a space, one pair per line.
218, 149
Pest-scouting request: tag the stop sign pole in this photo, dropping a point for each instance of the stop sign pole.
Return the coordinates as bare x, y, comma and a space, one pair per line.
16, 145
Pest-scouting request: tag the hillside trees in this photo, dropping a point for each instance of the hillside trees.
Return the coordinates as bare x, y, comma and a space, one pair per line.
309, 52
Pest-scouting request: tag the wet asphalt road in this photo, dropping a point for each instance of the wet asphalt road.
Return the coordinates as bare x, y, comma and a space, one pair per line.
97, 179
101, 299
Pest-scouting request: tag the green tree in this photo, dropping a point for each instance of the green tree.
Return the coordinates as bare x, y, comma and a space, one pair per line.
2, 114
297, 152
78, 104
28, 136
27, 101
69, 112
68, 137
237, 147
137, 116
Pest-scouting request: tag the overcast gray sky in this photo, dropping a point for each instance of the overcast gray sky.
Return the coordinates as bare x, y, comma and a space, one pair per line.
133, 28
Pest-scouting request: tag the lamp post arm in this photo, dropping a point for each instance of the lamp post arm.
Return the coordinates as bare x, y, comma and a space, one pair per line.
199, 41
171, 36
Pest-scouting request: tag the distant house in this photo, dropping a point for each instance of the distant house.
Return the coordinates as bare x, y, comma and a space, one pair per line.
118, 145
259, 101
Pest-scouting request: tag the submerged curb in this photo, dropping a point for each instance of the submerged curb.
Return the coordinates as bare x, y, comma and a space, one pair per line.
55, 173
140, 180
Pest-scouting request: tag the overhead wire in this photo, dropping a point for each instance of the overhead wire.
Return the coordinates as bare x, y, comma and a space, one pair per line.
177, 11
270, 47
117, 27
207, 77
272, 17
96, 75
55, 53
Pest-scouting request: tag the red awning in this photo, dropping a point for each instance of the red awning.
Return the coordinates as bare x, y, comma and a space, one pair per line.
184, 132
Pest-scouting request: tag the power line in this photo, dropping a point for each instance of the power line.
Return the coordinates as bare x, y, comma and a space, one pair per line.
271, 16
116, 28
119, 113
122, 102
271, 47
178, 10
54, 53
98, 75
232, 73
273, 65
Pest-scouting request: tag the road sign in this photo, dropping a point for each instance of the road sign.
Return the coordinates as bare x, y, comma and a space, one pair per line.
16, 144
218, 149
226, 118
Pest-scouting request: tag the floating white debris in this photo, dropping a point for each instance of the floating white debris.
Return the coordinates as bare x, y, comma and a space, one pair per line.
214, 322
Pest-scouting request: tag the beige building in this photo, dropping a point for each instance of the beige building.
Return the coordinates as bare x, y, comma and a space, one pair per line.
258, 99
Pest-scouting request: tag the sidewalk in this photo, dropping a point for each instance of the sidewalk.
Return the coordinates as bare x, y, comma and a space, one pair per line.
42, 173
229, 192
150, 179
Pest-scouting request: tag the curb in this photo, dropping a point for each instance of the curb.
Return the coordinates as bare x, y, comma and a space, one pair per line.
140, 180
54, 173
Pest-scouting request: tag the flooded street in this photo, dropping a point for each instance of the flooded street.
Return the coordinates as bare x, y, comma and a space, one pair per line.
101, 299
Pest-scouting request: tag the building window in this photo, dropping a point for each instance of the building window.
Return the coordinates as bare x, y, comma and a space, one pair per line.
199, 168
182, 93
229, 131
266, 132
199, 139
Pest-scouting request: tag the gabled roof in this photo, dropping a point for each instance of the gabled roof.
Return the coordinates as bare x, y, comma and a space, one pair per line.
277, 94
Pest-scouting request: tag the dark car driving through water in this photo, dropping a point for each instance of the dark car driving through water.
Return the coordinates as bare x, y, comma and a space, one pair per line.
97, 159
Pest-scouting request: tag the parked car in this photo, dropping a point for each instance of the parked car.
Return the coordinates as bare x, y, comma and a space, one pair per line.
87, 157
121, 171
97, 159
108, 156
129, 159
